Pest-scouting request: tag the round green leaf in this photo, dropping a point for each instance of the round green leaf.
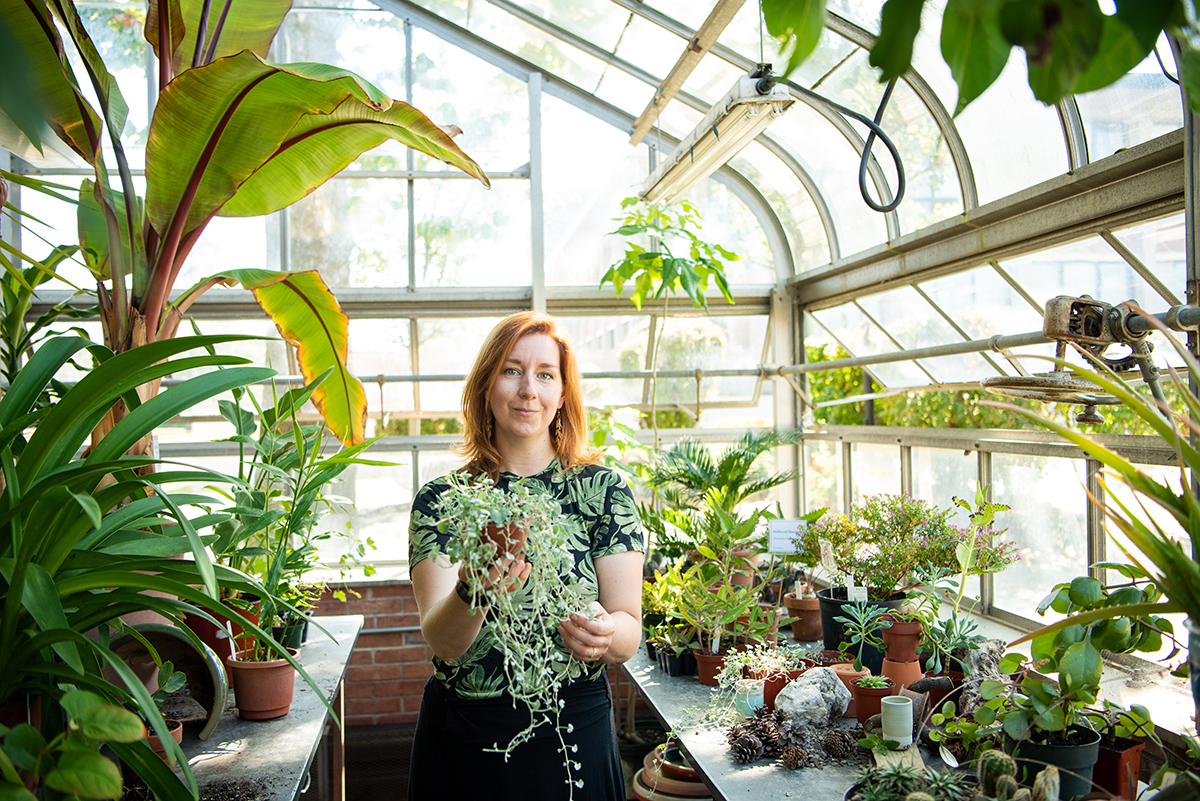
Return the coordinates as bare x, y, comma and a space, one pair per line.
1086, 591
1080, 667
85, 774
1125, 595
1113, 635
107, 722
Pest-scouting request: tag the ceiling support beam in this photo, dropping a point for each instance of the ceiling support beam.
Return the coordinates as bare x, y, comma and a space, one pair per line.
721, 15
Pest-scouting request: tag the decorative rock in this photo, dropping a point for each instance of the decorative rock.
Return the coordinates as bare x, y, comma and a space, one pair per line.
817, 698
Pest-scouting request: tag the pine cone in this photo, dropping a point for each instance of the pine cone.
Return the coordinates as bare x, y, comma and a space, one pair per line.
747, 748
733, 733
839, 742
794, 757
766, 729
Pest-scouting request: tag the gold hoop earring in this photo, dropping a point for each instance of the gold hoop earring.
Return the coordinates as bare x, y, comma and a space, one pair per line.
488, 428
558, 427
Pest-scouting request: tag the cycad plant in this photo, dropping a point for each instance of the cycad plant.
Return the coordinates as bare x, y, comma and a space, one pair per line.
686, 473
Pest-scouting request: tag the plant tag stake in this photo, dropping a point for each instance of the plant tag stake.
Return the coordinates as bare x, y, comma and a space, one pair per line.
716, 643
783, 535
827, 560
854, 592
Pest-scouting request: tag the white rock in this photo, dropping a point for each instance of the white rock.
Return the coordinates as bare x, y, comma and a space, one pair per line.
817, 698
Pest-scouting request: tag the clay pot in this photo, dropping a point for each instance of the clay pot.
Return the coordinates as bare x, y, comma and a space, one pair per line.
868, 701
939, 697
708, 666
773, 684
831, 658
901, 639
263, 690
507, 539
806, 614
224, 639
902, 674
846, 672
745, 563
175, 729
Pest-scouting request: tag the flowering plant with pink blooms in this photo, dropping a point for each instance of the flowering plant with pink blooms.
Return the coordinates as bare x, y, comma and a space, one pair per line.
888, 538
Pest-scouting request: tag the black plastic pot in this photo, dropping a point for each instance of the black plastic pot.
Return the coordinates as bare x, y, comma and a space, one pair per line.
833, 600
682, 665
1074, 761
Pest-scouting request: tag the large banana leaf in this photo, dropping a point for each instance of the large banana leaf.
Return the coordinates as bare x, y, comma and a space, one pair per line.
67, 112
234, 26
307, 313
218, 125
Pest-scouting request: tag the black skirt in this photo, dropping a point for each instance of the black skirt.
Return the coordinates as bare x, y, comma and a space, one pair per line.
449, 760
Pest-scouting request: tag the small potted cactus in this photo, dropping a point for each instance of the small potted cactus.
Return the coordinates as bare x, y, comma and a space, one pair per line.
997, 774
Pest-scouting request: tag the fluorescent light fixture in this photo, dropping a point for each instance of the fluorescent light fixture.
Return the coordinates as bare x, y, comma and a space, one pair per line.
729, 126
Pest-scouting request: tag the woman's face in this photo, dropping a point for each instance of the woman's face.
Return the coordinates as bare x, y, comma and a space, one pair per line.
529, 391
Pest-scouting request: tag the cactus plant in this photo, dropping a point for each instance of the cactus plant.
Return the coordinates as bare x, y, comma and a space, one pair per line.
992, 765
1046, 786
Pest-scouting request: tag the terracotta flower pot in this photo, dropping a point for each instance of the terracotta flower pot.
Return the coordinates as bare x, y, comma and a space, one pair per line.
773, 684
901, 639
708, 666
745, 564
939, 697
225, 639
806, 625
868, 701
175, 729
1117, 765
263, 690
846, 672
507, 539
902, 674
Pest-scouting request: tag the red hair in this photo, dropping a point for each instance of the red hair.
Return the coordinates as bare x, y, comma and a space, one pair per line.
477, 446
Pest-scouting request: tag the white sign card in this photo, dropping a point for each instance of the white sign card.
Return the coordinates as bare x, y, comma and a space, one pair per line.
827, 560
783, 534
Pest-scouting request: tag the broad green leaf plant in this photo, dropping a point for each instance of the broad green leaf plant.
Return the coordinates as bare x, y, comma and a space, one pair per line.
232, 135
1070, 46
83, 537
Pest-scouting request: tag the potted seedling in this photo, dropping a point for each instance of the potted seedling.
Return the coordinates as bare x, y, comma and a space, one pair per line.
868, 693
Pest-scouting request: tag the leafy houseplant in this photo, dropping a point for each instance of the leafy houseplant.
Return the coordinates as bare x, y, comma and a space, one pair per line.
522, 623
78, 553
68, 763
658, 271
231, 135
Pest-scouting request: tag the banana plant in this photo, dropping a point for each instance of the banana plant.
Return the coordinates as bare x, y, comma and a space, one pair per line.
232, 135
82, 537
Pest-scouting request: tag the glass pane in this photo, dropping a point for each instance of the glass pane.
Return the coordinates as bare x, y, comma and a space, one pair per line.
468, 236
226, 242
650, 47
551, 53
354, 231
688, 12
1140, 106
982, 303
448, 347
1048, 523
712, 78
1158, 245
822, 475
381, 498
730, 223
910, 319
371, 43
861, 337
583, 195
381, 347
58, 226
623, 91
605, 344
453, 87
834, 168
939, 476
116, 32
790, 201
1087, 267
598, 21
874, 469
997, 128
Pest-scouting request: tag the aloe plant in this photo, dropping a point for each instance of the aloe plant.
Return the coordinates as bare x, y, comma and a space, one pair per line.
232, 135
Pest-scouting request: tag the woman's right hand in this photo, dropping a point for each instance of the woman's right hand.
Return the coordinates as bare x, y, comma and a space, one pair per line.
506, 574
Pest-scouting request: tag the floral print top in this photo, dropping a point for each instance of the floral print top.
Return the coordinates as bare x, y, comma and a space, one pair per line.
597, 497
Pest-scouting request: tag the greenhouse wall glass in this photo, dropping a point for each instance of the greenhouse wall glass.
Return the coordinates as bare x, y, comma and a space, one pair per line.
1004, 206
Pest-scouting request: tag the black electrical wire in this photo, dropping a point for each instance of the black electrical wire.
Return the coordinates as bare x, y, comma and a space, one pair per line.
876, 131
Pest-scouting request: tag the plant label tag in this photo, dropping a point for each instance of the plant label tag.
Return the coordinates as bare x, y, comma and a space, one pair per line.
716, 644
856, 593
783, 534
827, 560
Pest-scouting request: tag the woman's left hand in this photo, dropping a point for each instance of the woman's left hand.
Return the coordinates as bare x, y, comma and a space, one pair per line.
588, 640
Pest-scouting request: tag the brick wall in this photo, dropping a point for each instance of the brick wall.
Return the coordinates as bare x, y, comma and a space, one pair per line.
388, 668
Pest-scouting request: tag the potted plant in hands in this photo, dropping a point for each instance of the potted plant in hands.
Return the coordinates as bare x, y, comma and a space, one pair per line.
523, 623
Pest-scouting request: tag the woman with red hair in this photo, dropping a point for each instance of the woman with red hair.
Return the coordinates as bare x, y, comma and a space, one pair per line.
525, 419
